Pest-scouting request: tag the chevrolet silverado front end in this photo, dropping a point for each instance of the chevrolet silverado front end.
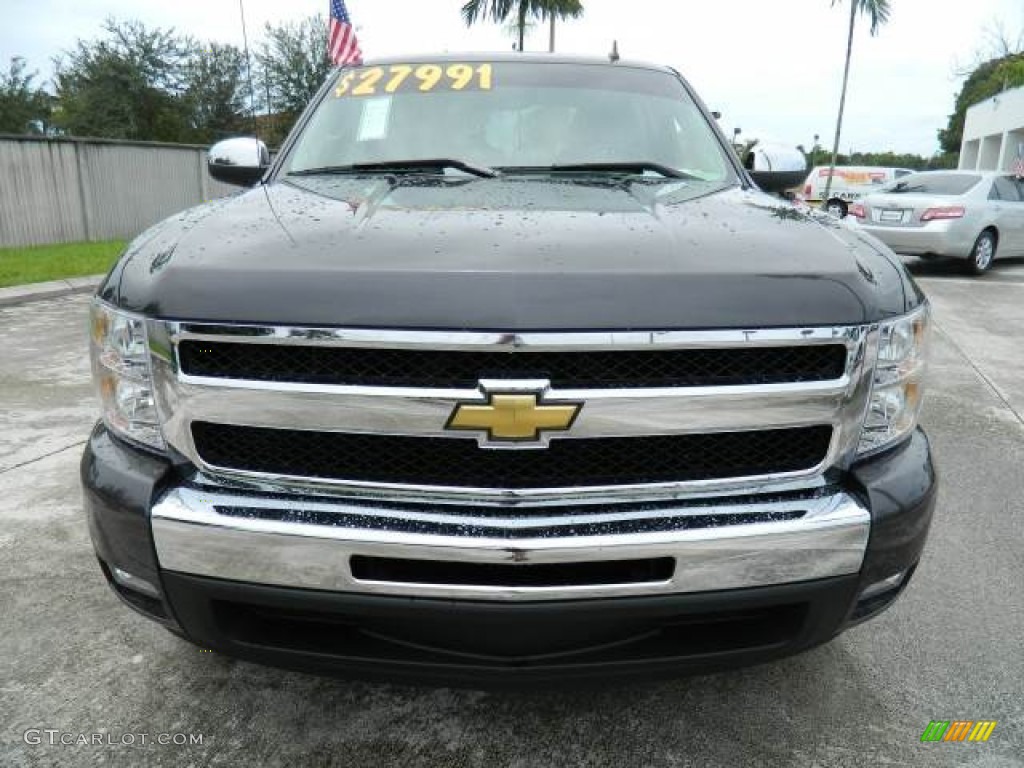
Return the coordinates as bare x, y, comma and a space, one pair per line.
483, 421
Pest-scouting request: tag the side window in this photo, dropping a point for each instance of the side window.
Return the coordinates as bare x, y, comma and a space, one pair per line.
901, 174
1005, 188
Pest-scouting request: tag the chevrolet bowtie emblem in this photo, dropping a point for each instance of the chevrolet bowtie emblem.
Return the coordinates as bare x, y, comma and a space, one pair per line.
514, 417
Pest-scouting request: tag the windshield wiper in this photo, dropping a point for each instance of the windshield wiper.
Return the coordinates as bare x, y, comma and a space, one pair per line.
392, 166
630, 167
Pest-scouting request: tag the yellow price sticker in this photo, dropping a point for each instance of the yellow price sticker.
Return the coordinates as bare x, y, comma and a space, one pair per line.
426, 78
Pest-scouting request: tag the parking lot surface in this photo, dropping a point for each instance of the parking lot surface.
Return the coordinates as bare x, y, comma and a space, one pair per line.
75, 661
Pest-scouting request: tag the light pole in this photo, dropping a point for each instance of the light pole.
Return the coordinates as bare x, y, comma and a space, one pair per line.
814, 151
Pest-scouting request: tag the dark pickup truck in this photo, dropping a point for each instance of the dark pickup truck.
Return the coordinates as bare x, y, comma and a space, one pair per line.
506, 370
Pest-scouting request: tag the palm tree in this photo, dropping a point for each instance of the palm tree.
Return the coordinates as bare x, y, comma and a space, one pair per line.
501, 10
511, 29
878, 12
567, 9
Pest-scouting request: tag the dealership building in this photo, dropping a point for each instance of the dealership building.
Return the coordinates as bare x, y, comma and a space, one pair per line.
994, 133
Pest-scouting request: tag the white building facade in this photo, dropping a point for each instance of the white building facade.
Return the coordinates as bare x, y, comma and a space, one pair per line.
994, 133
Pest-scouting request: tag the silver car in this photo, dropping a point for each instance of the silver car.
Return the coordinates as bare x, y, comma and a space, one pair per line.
977, 216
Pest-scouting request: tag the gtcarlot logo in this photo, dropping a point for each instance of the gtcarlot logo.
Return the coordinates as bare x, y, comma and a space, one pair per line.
54, 737
958, 730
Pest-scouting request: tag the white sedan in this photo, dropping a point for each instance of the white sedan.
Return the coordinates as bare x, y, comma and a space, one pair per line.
972, 215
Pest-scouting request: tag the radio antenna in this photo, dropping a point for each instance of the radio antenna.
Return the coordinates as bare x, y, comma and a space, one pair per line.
248, 71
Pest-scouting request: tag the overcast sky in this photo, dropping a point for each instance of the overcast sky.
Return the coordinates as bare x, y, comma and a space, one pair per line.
772, 68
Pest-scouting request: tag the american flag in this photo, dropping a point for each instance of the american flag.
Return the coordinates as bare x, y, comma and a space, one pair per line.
1018, 167
341, 42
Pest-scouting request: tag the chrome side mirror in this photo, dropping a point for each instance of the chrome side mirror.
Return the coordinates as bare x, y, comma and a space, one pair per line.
241, 161
776, 167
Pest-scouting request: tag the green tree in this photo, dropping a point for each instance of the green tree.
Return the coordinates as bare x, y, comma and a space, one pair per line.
292, 64
888, 160
24, 107
988, 79
877, 12
521, 11
150, 85
126, 85
216, 93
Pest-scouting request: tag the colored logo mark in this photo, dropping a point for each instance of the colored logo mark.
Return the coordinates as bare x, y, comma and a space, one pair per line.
958, 730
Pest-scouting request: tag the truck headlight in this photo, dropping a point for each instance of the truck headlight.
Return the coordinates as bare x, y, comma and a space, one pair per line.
120, 368
898, 386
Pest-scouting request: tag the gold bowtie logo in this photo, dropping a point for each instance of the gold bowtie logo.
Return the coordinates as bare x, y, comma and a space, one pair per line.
514, 417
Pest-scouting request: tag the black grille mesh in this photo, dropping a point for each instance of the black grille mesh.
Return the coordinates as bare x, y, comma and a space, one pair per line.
454, 369
460, 462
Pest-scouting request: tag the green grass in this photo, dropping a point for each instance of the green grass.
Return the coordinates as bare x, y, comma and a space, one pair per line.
39, 263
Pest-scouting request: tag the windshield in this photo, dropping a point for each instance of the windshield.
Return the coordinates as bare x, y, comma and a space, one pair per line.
943, 184
510, 115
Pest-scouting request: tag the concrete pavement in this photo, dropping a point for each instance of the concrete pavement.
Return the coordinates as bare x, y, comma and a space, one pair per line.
73, 658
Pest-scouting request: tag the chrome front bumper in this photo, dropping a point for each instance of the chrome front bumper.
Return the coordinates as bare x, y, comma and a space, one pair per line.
234, 536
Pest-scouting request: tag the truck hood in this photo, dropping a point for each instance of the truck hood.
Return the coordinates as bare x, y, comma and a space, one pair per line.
513, 254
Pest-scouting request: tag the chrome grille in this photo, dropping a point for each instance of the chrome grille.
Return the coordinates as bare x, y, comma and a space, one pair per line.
785, 404
566, 463
451, 369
